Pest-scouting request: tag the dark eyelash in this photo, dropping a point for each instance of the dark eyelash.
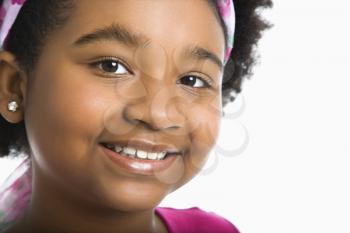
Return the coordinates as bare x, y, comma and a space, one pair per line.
103, 59
207, 82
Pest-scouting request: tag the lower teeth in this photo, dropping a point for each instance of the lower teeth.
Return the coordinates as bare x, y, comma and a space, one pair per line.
127, 155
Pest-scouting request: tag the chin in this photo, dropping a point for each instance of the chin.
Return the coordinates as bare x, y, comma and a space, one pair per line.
130, 196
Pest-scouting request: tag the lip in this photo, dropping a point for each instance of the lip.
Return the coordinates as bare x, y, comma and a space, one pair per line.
139, 166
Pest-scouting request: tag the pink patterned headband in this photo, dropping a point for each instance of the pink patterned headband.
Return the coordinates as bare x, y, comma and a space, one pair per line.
11, 8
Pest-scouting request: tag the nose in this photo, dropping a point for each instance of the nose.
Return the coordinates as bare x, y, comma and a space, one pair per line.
158, 109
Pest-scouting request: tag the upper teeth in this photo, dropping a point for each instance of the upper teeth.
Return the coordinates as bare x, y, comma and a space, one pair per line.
132, 152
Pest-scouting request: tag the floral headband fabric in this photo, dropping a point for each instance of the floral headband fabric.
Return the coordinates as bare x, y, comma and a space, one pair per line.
10, 9
15, 193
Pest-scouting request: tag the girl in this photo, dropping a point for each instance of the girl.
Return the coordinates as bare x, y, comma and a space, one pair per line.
115, 104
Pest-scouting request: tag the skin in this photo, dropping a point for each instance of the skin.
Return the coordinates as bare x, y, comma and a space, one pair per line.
69, 106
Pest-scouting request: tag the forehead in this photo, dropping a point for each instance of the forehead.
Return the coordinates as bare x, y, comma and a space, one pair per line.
172, 24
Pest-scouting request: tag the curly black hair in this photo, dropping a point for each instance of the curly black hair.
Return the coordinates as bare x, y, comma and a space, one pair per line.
38, 18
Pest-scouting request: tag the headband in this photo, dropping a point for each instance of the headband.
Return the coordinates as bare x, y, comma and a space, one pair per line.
10, 9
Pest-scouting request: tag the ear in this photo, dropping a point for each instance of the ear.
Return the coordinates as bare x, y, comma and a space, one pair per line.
13, 84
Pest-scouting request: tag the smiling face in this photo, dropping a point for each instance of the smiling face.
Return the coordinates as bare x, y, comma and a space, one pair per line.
153, 74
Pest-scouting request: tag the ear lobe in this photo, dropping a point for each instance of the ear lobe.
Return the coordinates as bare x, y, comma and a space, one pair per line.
12, 87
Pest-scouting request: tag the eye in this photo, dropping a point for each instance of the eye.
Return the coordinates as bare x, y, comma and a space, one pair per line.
194, 81
111, 66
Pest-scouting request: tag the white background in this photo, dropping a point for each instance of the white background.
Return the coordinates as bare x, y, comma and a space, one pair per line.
294, 175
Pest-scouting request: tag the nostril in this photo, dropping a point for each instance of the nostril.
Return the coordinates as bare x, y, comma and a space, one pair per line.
154, 126
150, 117
143, 124
147, 125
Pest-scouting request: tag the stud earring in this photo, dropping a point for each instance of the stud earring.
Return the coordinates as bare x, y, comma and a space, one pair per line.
12, 106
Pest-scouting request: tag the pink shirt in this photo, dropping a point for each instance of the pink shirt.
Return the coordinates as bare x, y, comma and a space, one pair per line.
194, 220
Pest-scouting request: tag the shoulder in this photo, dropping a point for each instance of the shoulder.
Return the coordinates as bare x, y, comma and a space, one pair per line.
192, 220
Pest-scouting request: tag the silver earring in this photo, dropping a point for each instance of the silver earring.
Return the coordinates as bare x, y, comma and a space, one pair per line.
12, 106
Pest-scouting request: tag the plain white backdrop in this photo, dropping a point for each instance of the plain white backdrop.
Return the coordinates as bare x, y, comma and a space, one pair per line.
294, 174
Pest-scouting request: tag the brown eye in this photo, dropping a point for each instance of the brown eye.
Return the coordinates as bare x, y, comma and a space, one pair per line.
111, 66
194, 81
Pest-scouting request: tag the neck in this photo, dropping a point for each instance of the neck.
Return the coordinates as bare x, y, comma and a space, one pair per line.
61, 211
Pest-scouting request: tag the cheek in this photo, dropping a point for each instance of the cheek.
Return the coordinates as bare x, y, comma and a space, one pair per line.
204, 120
63, 118
205, 124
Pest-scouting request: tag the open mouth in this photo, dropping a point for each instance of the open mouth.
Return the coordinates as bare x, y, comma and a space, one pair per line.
132, 152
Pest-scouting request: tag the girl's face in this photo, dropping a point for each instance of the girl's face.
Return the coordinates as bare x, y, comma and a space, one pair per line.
153, 74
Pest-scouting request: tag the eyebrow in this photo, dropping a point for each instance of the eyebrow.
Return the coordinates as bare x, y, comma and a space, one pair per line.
200, 53
119, 33
114, 32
